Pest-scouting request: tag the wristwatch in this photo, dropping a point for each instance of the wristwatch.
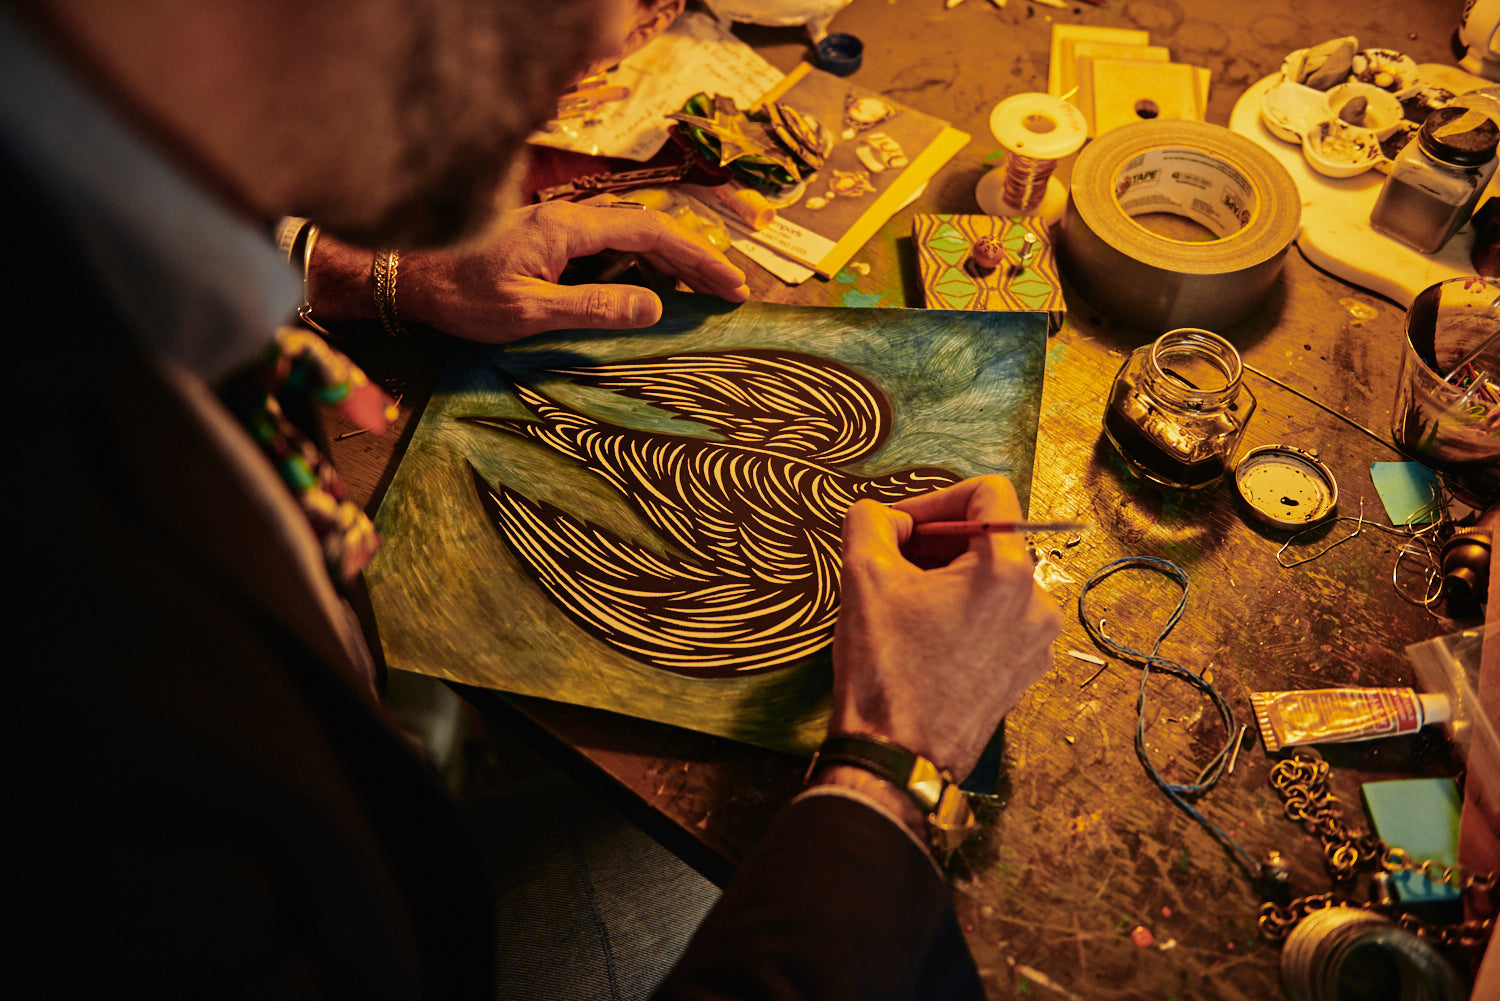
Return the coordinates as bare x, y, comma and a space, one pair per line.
949, 819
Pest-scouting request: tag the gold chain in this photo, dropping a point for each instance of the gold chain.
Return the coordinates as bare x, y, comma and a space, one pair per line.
1302, 783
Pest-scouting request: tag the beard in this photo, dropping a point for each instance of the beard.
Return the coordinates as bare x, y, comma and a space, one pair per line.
475, 78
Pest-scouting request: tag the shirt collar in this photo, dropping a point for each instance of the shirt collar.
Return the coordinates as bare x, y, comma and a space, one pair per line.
192, 279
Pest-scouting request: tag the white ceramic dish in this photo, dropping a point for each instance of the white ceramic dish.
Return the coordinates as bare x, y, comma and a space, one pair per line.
1337, 149
1382, 108
1291, 110
1334, 148
1387, 69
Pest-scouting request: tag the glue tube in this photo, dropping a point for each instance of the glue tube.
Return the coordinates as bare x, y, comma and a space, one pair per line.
1339, 715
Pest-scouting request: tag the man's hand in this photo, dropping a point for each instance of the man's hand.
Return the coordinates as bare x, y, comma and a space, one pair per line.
933, 658
506, 287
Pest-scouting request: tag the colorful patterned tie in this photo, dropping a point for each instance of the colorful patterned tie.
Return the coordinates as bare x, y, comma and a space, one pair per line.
301, 369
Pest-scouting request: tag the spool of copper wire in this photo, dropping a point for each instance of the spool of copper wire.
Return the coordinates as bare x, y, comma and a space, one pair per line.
1026, 180
1036, 131
1347, 952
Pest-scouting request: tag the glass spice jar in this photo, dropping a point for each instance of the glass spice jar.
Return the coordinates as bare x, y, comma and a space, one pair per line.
1177, 408
1436, 179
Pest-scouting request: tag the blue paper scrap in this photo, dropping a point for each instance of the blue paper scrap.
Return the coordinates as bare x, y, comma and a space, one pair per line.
1405, 488
1421, 817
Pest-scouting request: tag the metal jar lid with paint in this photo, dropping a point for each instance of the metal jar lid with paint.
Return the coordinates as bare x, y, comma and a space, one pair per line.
1285, 486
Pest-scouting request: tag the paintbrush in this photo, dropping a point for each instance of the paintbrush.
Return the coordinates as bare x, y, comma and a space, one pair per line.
994, 527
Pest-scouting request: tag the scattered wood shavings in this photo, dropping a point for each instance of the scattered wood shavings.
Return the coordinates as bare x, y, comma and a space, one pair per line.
1090, 679
1087, 657
1041, 979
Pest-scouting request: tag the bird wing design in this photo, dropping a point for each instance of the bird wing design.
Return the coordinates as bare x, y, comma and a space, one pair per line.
681, 615
755, 518
787, 402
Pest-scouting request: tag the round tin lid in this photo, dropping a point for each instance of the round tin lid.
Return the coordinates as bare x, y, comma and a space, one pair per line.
1460, 136
1286, 487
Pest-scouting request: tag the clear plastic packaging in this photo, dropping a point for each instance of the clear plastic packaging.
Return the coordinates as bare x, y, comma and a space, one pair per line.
1449, 665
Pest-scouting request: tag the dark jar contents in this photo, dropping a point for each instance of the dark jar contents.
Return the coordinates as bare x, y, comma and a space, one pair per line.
1435, 181
1177, 408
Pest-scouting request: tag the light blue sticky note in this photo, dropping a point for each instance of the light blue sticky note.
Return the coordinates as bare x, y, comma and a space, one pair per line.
1420, 816
1405, 488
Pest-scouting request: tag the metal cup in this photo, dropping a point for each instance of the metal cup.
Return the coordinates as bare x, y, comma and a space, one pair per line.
1447, 409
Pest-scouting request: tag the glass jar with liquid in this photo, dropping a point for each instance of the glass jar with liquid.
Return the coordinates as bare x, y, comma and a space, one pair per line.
1437, 178
1177, 408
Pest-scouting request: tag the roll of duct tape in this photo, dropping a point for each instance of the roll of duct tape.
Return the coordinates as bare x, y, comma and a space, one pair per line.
1223, 182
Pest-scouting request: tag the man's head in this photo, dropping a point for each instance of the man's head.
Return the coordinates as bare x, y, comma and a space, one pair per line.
390, 121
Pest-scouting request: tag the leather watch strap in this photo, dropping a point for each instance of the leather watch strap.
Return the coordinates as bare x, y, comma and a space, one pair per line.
949, 819
910, 772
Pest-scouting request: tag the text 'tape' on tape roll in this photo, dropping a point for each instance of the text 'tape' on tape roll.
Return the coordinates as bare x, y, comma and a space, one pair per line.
1205, 173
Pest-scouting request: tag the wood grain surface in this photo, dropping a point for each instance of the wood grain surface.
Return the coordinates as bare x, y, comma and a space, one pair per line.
1077, 849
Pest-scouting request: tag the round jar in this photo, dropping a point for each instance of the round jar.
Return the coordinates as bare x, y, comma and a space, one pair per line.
1435, 181
1178, 408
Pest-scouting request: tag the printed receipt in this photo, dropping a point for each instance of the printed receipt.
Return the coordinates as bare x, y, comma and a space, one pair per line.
695, 54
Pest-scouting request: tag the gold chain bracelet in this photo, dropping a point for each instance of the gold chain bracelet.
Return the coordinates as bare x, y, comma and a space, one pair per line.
1302, 783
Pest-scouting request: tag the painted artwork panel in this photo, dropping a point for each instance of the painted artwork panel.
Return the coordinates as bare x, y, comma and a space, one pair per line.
648, 521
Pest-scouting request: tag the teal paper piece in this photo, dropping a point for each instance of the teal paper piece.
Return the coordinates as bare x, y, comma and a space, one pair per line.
1405, 488
1421, 817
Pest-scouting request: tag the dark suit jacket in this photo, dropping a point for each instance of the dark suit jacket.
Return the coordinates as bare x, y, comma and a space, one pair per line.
207, 799
208, 802
835, 902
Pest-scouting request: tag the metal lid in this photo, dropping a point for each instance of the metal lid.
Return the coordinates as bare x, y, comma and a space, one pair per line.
1286, 487
840, 54
1460, 136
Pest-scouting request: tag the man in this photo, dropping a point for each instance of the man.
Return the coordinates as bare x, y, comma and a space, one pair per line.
206, 798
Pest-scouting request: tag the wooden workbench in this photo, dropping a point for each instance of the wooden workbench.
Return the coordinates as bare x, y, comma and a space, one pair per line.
1078, 849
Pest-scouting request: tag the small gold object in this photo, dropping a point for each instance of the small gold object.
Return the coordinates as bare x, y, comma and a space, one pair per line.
384, 272
950, 820
950, 825
289, 233
293, 233
1028, 248
925, 783
304, 311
